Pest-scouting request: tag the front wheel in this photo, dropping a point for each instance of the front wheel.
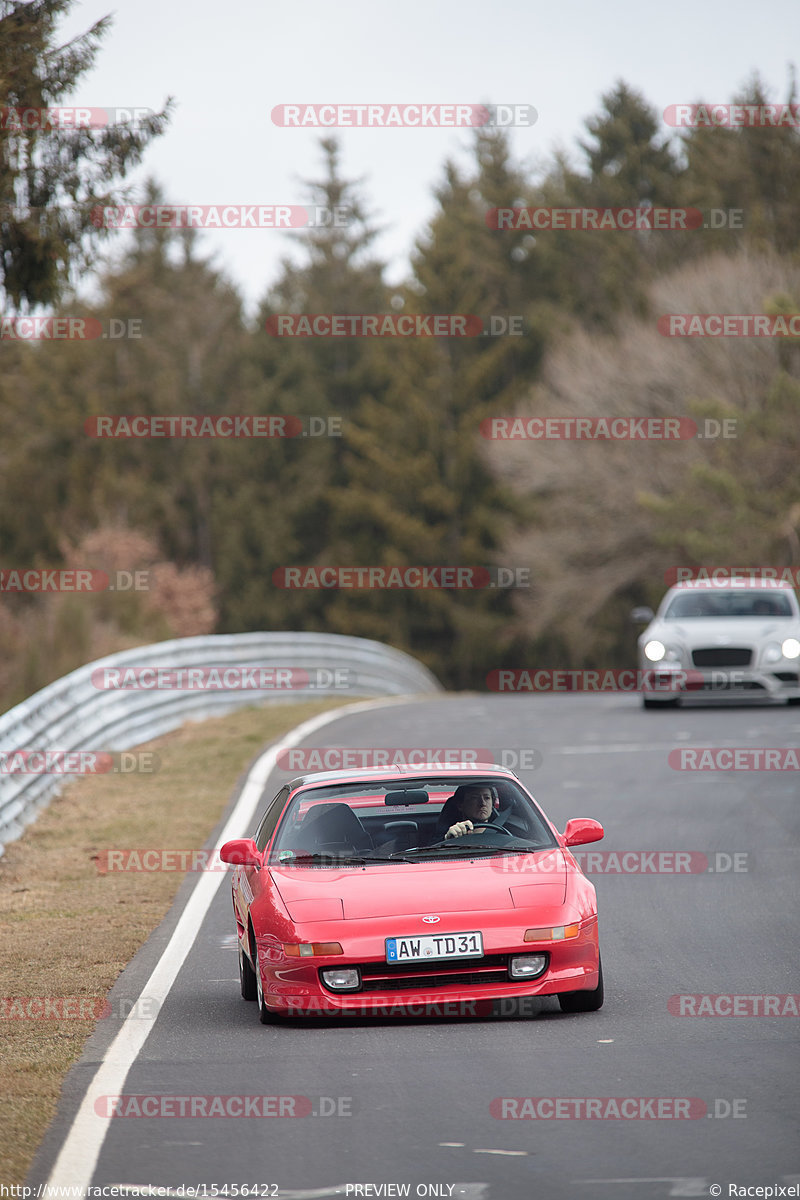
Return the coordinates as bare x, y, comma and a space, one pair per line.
247, 976
574, 1002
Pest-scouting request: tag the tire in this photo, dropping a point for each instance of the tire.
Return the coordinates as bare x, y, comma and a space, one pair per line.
575, 1002
647, 703
247, 977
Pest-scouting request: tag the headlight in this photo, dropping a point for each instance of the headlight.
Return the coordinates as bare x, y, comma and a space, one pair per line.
791, 648
655, 651
772, 653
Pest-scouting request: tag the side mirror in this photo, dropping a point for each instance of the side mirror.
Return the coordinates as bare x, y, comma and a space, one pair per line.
642, 616
581, 830
241, 852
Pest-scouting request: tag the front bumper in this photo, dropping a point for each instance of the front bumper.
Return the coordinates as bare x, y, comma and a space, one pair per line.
666, 681
456, 987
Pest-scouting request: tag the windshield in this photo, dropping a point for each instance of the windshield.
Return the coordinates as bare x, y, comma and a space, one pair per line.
408, 820
727, 604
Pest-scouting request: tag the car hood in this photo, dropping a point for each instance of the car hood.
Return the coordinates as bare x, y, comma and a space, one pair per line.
705, 631
502, 882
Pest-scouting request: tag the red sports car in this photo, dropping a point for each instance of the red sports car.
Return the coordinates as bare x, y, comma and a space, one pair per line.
409, 888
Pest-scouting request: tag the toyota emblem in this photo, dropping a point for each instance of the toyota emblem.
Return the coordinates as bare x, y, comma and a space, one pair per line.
431, 920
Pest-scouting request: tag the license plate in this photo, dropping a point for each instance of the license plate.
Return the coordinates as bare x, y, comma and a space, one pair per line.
433, 946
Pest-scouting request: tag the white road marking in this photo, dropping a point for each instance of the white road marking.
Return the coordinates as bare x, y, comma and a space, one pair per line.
617, 748
510, 1153
78, 1156
683, 1185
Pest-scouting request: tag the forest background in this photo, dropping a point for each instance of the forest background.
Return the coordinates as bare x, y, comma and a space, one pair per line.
593, 527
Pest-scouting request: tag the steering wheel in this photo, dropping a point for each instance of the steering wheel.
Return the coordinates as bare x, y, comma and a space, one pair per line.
476, 825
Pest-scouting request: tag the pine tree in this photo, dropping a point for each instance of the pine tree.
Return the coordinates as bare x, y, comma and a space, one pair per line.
754, 169
279, 514
51, 178
627, 164
418, 490
184, 358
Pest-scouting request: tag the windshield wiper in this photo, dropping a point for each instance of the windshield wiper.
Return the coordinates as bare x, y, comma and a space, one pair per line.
329, 859
449, 845
307, 857
397, 856
462, 844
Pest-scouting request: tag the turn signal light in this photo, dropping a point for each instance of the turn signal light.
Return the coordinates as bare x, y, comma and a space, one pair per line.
556, 934
309, 949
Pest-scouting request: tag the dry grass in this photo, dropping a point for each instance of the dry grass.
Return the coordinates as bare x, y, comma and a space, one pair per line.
67, 930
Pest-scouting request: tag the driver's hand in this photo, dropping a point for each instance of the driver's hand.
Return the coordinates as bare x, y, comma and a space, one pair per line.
459, 829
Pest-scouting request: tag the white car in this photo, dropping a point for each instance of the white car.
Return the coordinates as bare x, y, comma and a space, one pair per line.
722, 638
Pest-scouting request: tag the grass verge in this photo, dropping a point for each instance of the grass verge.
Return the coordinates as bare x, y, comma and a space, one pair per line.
67, 930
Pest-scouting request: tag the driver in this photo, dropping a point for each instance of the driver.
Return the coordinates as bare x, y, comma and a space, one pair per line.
476, 805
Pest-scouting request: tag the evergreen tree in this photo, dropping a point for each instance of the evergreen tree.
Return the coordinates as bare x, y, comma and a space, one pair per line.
628, 160
279, 514
418, 490
52, 178
752, 168
184, 358
627, 164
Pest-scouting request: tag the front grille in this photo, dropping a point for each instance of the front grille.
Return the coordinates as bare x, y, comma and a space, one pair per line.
464, 972
722, 656
709, 685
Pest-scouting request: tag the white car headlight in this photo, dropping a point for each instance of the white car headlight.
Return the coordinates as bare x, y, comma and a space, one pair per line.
656, 651
791, 648
772, 653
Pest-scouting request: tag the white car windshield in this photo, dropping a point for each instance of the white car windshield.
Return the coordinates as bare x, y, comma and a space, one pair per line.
727, 604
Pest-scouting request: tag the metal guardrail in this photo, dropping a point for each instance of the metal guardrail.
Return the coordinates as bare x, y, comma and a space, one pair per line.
78, 713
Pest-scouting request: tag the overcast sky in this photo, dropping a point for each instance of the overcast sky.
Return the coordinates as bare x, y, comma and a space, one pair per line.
228, 65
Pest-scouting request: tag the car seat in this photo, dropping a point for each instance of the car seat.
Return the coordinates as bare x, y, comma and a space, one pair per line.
332, 827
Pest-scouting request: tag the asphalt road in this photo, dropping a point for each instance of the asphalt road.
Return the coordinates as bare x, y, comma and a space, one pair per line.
410, 1099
